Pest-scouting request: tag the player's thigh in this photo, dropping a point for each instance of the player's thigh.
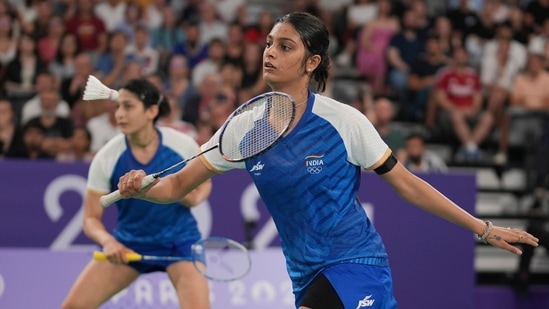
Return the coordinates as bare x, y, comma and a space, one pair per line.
97, 283
192, 288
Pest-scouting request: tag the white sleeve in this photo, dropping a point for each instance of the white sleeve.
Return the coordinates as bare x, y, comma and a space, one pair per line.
102, 165
213, 159
364, 146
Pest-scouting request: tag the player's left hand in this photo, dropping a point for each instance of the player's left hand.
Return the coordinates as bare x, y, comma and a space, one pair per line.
504, 237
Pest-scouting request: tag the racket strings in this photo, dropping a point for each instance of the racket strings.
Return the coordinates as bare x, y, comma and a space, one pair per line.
256, 127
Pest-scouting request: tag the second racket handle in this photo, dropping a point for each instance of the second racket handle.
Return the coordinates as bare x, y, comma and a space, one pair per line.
113, 197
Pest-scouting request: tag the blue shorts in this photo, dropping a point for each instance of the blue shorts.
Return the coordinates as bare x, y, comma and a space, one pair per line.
351, 286
180, 249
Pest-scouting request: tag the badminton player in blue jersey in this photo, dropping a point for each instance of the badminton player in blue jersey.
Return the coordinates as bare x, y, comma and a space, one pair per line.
143, 227
310, 178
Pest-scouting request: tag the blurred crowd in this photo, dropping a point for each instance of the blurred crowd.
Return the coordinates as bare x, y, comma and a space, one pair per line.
473, 74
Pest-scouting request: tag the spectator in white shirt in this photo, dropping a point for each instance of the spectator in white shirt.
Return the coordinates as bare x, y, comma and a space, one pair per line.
111, 12
103, 127
142, 52
32, 108
210, 26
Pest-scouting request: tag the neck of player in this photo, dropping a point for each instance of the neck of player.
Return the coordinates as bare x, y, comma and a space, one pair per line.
143, 138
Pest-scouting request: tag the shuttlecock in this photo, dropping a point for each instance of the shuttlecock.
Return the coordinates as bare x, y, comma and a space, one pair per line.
95, 90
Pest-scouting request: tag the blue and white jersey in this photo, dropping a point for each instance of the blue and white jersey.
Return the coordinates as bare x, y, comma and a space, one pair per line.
309, 182
138, 220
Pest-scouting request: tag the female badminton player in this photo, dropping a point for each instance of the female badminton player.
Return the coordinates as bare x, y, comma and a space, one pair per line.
309, 182
143, 227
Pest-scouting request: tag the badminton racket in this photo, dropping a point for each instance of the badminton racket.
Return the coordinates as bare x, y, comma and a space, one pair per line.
250, 130
216, 258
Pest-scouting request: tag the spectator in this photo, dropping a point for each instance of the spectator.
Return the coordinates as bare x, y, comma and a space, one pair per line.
33, 108
9, 131
540, 42
58, 129
459, 95
103, 126
178, 83
141, 51
8, 40
191, 11
503, 60
197, 107
529, 97
235, 44
112, 62
448, 38
228, 9
422, 78
154, 12
192, 48
133, 17
65, 8
173, 119
88, 28
212, 64
111, 12
360, 13
38, 27
72, 88
62, 66
27, 10
483, 32
537, 12
231, 75
210, 26
424, 22
48, 45
252, 82
165, 37
383, 121
372, 45
463, 19
404, 48
258, 32
32, 138
21, 72
419, 159
79, 150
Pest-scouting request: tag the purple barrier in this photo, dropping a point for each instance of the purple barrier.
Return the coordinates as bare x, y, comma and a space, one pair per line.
39, 278
432, 260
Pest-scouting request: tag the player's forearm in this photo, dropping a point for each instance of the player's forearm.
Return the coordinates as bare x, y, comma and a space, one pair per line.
418, 192
164, 192
197, 195
96, 231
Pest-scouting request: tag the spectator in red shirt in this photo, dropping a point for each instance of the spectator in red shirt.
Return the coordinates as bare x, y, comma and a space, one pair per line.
89, 29
458, 94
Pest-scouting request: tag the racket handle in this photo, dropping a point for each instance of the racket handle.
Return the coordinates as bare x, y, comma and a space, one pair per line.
132, 257
113, 197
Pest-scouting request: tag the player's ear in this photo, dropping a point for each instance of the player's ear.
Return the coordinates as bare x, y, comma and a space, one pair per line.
312, 63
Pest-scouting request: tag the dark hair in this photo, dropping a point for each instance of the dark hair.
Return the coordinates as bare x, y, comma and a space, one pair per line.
59, 55
315, 37
85, 129
414, 135
149, 95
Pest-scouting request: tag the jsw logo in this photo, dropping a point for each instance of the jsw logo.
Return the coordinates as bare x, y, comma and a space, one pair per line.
366, 302
257, 167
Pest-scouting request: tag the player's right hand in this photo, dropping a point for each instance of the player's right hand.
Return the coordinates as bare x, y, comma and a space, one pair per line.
129, 185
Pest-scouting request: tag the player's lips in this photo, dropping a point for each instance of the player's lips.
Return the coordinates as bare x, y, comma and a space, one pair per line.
268, 66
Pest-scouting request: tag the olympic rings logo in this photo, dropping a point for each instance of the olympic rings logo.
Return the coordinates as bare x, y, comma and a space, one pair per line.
314, 169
